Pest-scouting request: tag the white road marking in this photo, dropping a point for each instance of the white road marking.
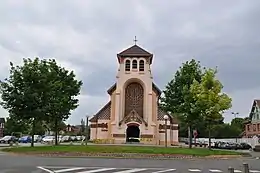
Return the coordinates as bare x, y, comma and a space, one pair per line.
98, 170
254, 171
215, 170
194, 170
44, 169
237, 171
167, 170
131, 170
68, 169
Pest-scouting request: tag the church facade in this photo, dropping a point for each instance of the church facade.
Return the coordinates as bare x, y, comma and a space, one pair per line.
133, 112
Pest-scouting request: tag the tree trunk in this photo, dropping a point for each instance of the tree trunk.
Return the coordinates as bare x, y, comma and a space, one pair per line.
190, 136
56, 131
209, 136
32, 133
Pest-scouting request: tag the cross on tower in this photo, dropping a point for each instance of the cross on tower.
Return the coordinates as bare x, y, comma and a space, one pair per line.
135, 40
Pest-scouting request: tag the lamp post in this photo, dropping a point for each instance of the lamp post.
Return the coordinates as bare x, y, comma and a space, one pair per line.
235, 115
165, 117
86, 131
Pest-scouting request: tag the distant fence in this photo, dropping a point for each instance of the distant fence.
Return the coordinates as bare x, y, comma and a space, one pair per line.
252, 141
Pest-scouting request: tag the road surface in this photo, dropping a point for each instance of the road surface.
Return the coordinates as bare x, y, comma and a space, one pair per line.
33, 164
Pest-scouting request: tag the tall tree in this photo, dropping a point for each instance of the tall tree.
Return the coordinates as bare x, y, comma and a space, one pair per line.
40, 90
82, 126
23, 93
63, 91
210, 100
177, 96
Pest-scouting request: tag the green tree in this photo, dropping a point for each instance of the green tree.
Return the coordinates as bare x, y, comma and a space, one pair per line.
225, 131
63, 91
238, 122
210, 100
24, 92
177, 96
40, 90
82, 126
60, 126
14, 125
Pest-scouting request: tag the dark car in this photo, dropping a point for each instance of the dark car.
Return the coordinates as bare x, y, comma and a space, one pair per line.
8, 139
244, 146
25, 139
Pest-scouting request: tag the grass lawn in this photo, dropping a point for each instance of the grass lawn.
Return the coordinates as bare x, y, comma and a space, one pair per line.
119, 149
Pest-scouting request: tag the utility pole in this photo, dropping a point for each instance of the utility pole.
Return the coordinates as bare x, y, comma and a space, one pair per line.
86, 131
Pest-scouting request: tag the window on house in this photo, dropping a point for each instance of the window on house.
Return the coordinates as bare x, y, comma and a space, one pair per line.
258, 127
134, 65
141, 65
248, 127
127, 65
254, 127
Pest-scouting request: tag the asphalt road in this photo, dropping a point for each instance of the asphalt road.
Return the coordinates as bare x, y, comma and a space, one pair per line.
32, 164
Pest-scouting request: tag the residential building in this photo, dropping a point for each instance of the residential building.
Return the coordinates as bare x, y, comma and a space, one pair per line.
252, 127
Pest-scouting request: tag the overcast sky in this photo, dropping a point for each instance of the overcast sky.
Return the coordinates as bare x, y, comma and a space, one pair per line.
85, 36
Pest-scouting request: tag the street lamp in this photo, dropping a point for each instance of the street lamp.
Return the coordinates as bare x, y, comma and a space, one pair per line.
86, 131
165, 117
235, 115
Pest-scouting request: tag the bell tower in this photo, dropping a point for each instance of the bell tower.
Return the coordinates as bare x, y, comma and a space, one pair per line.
134, 85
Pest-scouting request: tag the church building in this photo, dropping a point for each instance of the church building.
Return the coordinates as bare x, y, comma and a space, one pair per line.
133, 113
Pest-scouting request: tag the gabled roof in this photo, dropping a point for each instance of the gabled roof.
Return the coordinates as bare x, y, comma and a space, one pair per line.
103, 114
161, 113
113, 88
256, 102
135, 51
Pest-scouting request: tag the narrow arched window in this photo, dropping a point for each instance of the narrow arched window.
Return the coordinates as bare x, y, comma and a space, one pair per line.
134, 64
127, 65
141, 65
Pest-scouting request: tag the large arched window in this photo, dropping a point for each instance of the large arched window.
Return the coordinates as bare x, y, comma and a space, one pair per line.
134, 98
127, 65
141, 65
134, 64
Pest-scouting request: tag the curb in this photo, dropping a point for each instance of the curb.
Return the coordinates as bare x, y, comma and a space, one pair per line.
129, 156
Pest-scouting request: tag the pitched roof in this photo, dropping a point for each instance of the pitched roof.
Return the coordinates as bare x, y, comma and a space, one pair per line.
160, 116
256, 102
113, 88
102, 114
2, 120
135, 51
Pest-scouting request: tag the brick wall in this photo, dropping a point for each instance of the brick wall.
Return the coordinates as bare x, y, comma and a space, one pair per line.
252, 129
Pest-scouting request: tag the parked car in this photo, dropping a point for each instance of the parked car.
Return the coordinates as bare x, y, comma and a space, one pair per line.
25, 139
244, 146
8, 139
66, 139
48, 139
232, 146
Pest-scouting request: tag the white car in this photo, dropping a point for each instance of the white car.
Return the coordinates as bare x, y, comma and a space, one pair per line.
48, 139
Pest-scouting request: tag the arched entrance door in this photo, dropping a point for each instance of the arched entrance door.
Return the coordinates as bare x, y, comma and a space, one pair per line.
132, 133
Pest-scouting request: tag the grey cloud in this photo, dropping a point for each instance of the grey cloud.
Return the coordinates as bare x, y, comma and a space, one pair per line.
87, 35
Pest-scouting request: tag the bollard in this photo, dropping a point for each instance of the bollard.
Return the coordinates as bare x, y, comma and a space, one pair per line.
230, 170
246, 167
